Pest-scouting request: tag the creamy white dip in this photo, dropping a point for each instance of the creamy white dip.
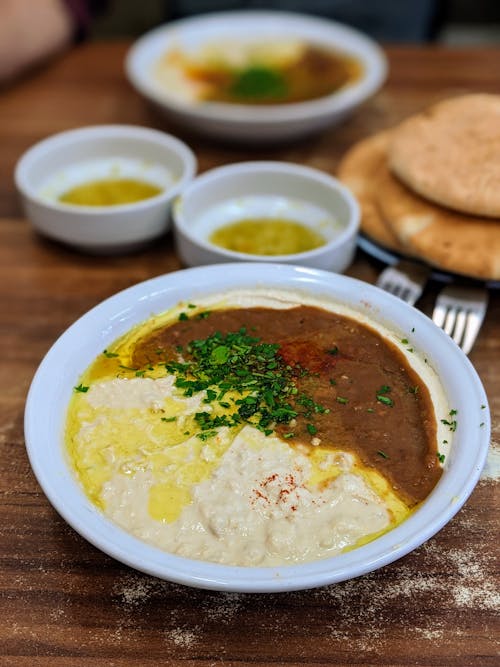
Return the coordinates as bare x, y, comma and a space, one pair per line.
256, 509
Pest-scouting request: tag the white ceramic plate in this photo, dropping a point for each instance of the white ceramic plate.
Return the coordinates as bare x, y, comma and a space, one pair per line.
58, 373
252, 122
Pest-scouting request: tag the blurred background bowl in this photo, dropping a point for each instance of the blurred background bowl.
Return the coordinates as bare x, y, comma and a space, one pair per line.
79, 156
272, 191
245, 122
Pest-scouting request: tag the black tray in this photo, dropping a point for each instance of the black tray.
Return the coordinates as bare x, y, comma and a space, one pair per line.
391, 257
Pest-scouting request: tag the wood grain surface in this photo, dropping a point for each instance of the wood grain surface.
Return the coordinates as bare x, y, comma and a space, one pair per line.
63, 602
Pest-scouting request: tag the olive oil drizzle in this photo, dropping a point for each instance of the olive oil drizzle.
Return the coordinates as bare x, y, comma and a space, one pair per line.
110, 192
267, 236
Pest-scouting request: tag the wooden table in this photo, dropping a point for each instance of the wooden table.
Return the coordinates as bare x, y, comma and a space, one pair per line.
66, 603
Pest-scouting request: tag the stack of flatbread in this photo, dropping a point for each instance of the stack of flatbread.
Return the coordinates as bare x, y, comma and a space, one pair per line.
430, 187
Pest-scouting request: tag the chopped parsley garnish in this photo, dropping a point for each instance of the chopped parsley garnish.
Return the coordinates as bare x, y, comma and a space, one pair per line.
385, 400
191, 305
414, 390
405, 341
334, 351
288, 435
382, 397
311, 429
140, 374
382, 454
220, 354
204, 314
259, 83
483, 407
370, 409
183, 317
333, 382
451, 423
110, 355
243, 364
441, 457
82, 389
342, 400
211, 396
310, 405
168, 419
209, 424
206, 435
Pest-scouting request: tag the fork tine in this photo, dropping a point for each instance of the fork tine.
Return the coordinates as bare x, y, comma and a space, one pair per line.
395, 289
460, 312
439, 314
405, 280
449, 321
473, 325
461, 323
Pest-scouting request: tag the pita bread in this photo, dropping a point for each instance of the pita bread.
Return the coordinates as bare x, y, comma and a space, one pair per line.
450, 154
451, 241
358, 171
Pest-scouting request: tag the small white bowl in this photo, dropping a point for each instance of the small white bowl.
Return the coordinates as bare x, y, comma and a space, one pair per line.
71, 158
266, 190
242, 122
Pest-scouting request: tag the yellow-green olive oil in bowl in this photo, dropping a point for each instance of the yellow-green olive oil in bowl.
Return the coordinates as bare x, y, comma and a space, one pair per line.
267, 236
109, 192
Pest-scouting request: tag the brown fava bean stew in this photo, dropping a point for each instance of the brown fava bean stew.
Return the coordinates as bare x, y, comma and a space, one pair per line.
314, 377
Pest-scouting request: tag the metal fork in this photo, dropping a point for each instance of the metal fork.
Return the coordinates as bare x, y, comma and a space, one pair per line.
460, 312
405, 280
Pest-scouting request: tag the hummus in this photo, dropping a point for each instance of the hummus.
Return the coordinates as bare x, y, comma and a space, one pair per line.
234, 493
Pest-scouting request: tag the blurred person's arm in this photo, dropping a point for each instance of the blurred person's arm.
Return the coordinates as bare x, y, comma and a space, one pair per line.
30, 32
